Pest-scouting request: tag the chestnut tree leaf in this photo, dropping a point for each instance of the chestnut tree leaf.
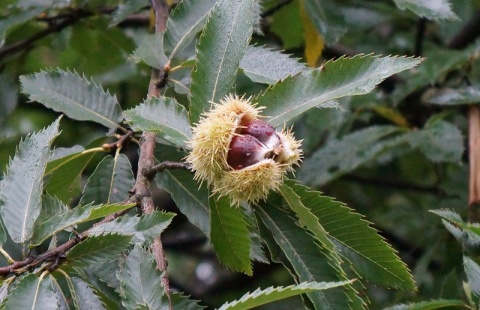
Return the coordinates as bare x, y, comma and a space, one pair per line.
368, 254
22, 186
141, 281
271, 294
125, 9
75, 96
61, 221
110, 182
143, 228
150, 51
96, 249
338, 78
436, 10
185, 21
326, 19
191, 199
218, 53
430, 305
307, 259
264, 65
164, 116
32, 292
229, 234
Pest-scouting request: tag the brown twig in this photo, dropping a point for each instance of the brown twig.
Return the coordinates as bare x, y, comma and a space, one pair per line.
474, 163
147, 147
53, 27
119, 143
150, 173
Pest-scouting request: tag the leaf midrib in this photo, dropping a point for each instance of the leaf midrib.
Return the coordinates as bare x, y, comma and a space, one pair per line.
78, 104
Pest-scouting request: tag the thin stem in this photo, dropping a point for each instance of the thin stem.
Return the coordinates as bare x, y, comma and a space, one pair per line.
150, 173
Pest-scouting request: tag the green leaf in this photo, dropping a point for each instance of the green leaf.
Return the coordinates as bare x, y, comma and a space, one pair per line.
125, 9
338, 157
327, 19
163, 116
22, 187
182, 302
222, 45
472, 269
435, 68
63, 174
264, 65
184, 23
450, 216
370, 256
143, 229
141, 281
338, 78
84, 296
32, 292
61, 221
3, 234
429, 305
452, 96
78, 98
271, 294
9, 23
97, 249
306, 257
229, 235
150, 51
191, 199
440, 141
437, 10
110, 182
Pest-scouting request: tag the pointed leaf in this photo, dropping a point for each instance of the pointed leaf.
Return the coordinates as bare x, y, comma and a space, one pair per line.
229, 235
371, 257
430, 305
22, 186
183, 302
438, 9
327, 19
97, 249
191, 199
222, 45
451, 96
163, 116
305, 256
143, 229
110, 182
339, 78
472, 269
125, 9
184, 23
264, 65
338, 157
32, 292
141, 281
150, 51
84, 295
9, 23
64, 170
61, 221
450, 216
78, 98
440, 141
271, 294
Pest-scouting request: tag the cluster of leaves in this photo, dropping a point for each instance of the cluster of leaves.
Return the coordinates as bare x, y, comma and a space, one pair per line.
332, 254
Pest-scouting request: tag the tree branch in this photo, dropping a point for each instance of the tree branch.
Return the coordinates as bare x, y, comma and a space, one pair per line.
150, 173
53, 27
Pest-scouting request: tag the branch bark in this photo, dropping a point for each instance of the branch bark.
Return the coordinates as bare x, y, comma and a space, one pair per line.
474, 161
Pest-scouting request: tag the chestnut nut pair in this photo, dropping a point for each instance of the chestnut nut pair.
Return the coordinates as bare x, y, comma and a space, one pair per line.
240, 155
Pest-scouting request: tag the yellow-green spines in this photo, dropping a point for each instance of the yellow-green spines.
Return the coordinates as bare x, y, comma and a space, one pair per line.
211, 141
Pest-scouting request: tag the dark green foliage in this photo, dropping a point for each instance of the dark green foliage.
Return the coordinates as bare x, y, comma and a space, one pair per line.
386, 134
